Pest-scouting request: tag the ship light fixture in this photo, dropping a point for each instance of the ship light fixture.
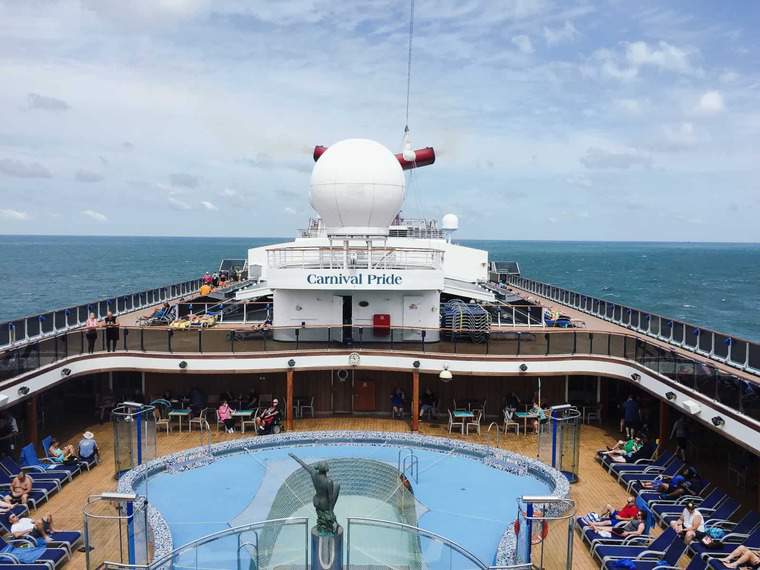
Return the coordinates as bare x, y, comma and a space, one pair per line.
523, 367
718, 421
416, 363
291, 363
636, 377
65, 372
182, 364
23, 391
671, 396
445, 375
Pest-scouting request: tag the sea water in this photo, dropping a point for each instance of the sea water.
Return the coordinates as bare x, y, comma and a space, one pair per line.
707, 284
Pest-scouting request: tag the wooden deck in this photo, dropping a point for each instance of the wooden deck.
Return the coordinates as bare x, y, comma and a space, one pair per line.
594, 489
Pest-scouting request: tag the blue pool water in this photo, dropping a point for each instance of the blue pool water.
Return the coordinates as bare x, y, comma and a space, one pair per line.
457, 497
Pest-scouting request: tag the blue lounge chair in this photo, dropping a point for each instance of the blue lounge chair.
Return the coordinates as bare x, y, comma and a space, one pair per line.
633, 480
40, 473
645, 562
160, 317
82, 463
41, 490
52, 556
695, 564
651, 496
665, 512
66, 539
70, 467
731, 541
10, 562
638, 465
746, 525
627, 550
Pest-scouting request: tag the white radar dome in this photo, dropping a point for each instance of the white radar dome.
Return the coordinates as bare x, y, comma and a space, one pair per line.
357, 188
450, 222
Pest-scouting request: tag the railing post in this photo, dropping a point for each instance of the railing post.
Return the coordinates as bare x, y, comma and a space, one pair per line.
126, 333
142, 340
200, 340
519, 338
169, 335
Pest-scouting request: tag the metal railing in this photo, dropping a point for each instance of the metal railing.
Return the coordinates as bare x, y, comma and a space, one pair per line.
714, 381
721, 347
354, 258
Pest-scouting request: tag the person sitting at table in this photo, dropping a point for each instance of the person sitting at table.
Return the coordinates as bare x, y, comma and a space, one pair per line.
224, 413
427, 403
398, 402
540, 418
268, 419
512, 402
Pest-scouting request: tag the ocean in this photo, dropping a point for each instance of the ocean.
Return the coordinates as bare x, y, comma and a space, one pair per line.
707, 284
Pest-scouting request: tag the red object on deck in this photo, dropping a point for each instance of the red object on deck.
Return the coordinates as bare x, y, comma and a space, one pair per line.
381, 324
423, 157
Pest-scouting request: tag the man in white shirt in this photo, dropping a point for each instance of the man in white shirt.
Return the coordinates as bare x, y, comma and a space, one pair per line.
28, 527
690, 525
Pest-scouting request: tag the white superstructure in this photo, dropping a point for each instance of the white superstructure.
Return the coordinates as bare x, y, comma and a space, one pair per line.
351, 270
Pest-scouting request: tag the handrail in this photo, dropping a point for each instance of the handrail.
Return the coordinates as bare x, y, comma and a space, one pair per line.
72, 318
622, 315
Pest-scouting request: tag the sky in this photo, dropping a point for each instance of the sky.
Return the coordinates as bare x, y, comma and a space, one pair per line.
551, 119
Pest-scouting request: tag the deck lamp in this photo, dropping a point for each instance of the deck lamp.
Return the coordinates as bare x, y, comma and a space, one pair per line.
23, 391
183, 364
291, 363
523, 367
416, 363
718, 421
636, 377
445, 374
670, 395
65, 371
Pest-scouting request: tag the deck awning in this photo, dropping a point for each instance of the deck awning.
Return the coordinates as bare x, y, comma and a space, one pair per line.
467, 290
253, 293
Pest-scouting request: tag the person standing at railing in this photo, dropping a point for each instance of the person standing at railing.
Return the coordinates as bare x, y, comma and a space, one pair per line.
91, 332
112, 332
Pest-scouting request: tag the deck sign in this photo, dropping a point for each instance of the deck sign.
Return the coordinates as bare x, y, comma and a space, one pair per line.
355, 279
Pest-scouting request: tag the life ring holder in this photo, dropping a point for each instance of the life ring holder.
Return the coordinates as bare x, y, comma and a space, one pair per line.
536, 538
342, 374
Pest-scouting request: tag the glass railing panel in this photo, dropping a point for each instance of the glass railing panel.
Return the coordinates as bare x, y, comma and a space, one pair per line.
754, 356
503, 343
532, 343
215, 340
721, 345
600, 343
5, 334
582, 342
705, 380
248, 340
617, 313
705, 341
691, 336
729, 392
560, 343
738, 351
750, 399
634, 318
47, 351
678, 331
59, 319
684, 371
617, 345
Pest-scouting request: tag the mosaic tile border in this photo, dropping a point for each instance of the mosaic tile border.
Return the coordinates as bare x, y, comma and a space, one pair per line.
199, 456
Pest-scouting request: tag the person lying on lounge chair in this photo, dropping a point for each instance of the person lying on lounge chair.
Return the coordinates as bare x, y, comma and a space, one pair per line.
158, 312
742, 557
622, 447
34, 528
634, 527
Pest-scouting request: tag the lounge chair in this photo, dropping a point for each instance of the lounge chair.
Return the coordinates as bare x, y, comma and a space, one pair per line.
731, 541
70, 467
634, 548
66, 539
632, 481
644, 561
46, 470
41, 490
40, 473
52, 556
665, 512
617, 469
161, 317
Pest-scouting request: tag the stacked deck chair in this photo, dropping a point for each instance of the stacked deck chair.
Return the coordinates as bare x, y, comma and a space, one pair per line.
41, 490
82, 463
30, 459
638, 461
51, 557
730, 542
645, 561
38, 472
633, 548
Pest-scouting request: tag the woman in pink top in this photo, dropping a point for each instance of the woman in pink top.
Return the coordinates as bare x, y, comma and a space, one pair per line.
224, 412
91, 332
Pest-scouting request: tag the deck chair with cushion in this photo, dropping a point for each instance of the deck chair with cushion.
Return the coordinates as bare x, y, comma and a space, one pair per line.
66, 539
38, 472
161, 317
665, 512
731, 541
657, 547
638, 465
73, 468
41, 490
46, 470
632, 481
53, 557
646, 562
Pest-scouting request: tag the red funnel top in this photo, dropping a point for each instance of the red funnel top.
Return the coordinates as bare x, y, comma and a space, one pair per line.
423, 157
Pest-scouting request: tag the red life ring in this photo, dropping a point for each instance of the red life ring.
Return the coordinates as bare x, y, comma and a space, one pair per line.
538, 537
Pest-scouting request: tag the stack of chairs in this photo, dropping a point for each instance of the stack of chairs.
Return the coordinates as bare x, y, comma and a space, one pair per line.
663, 552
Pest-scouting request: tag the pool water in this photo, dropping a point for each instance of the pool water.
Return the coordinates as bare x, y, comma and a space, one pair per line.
456, 496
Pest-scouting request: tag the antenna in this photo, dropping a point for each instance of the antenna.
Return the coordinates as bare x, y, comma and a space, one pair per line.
409, 65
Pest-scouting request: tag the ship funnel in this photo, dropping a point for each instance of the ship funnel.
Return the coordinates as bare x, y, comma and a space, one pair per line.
408, 159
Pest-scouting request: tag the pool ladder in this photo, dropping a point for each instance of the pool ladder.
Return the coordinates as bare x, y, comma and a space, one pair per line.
407, 460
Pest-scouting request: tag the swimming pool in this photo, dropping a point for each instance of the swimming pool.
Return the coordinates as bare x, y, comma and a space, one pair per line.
466, 493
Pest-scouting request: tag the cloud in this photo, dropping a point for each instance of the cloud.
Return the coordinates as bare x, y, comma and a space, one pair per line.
126, 145
566, 33
183, 180
711, 103
20, 169
88, 176
638, 55
579, 180
96, 216
13, 215
289, 210
678, 137
177, 204
229, 193
523, 43
267, 162
630, 106
597, 158
209, 205
37, 101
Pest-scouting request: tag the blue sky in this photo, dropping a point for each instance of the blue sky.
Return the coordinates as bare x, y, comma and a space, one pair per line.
607, 120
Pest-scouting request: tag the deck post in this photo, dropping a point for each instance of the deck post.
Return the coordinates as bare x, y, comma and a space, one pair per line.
415, 400
289, 400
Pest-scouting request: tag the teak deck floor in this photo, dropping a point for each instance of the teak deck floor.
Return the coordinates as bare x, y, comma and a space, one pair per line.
592, 492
